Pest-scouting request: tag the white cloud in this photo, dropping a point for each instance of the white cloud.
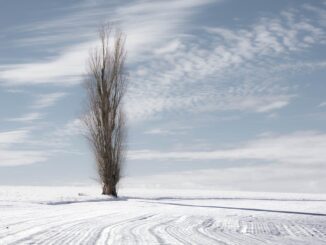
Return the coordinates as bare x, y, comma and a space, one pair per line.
46, 100
30, 146
245, 69
11, 137
232, 69
321, 12
65, 69
274, 105
269, 163
297, 148
323, 104
34, 145
160, 131
168, 129
21, 157
264, 178
27, 117
15, 157
73, 127
169, 48
144, 22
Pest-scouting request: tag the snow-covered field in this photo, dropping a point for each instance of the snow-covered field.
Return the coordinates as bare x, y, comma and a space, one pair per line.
77, 215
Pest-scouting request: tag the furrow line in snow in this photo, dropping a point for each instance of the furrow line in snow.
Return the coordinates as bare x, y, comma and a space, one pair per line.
108, 234
158, 232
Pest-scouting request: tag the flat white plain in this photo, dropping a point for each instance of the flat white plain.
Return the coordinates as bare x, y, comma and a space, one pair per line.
78, 215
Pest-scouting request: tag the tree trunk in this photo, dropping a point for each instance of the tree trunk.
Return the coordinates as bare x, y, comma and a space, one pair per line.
109, 190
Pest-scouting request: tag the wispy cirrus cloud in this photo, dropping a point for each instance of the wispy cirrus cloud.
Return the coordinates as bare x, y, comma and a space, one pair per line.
244, 69
165, 131
172, 70
321, 12
11, 137
29, 117
263, 178
158, 131
322, 104
303, 148
65, 69
137, 18
271, 36
31, 145
46, 100
71, 128
21, 157
12, 152
273, 105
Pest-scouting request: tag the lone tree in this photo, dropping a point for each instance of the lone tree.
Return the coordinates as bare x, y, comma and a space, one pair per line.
106, 86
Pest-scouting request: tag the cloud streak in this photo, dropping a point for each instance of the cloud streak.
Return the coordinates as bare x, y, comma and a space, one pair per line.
273, 177
144, 22
30, 117
11, 155
8, 138
47, 100
11, 158
298, 148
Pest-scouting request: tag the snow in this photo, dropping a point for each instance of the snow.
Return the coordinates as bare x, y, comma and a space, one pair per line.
79, 215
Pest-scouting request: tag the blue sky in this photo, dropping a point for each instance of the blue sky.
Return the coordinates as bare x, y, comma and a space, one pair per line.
222, 94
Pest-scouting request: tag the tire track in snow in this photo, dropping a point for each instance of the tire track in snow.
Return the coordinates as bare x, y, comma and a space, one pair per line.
102, 223
157, 230
61, 230
57, 224
108, 234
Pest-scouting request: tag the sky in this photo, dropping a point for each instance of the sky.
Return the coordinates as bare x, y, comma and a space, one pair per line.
222, 94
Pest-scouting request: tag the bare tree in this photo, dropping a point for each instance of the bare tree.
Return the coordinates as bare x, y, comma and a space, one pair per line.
105, 122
